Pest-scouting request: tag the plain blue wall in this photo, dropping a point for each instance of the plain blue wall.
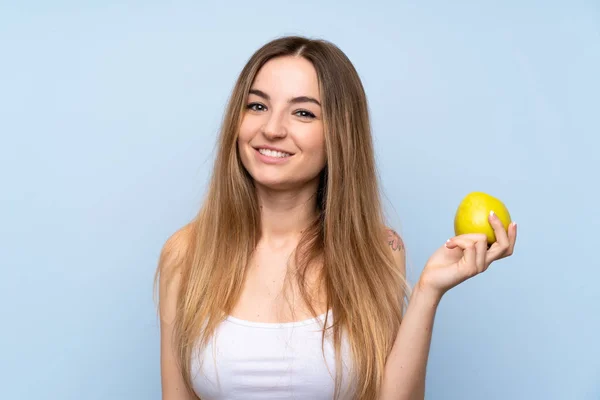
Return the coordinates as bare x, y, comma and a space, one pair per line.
108, 117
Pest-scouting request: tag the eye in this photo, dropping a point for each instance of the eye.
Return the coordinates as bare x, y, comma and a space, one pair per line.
305, 114
256, 107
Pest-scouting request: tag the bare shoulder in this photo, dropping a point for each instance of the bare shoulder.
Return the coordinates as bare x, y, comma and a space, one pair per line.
172, 256
394, 240
176, 247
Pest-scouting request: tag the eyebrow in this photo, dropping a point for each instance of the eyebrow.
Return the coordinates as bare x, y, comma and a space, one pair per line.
293, 100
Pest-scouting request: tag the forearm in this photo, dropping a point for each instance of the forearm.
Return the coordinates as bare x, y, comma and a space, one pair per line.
404, 376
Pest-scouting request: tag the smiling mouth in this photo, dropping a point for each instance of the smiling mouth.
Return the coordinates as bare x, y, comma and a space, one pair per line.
274, 153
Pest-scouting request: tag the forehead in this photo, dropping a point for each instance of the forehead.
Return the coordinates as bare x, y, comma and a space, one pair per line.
288, 76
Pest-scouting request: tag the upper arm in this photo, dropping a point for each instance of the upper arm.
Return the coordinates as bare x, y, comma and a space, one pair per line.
172, 254
399, 254
398, 251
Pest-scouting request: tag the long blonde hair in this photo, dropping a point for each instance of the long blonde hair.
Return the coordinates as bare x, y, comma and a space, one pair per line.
364, 287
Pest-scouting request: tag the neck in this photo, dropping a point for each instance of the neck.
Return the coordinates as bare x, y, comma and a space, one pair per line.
286, 214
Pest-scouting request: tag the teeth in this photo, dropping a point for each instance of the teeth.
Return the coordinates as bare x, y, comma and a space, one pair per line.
272, 153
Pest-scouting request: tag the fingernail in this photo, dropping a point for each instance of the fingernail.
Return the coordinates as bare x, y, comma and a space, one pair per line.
514, 224
492, 214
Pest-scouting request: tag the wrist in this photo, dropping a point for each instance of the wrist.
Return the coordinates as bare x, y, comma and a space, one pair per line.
427, 293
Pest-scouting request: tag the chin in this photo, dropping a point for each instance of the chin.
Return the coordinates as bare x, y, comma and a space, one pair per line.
275, 183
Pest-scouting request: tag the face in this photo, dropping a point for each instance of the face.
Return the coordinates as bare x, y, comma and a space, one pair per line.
281, 140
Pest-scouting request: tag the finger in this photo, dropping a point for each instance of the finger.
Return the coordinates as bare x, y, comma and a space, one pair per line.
474, 237
468, 263
499, 231
481, 248
499, 248
479, 243
512, 237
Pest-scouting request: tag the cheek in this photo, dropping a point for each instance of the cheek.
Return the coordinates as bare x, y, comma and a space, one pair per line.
245, 132
243, 138
315, 141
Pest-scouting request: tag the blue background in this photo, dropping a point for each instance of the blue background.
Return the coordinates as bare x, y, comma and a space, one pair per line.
108, 117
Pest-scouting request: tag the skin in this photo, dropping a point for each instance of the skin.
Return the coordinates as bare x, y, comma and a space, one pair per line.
283, 111
280, 114
461, 258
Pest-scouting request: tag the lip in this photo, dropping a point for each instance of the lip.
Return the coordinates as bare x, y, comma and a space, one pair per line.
271, 160
267, 147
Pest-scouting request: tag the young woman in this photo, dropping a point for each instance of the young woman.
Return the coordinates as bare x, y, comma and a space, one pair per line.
288, 284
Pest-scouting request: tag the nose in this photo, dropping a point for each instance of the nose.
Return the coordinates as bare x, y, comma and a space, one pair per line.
274, 127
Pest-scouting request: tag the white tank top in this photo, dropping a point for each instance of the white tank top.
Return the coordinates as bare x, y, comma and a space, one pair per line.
258, 360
